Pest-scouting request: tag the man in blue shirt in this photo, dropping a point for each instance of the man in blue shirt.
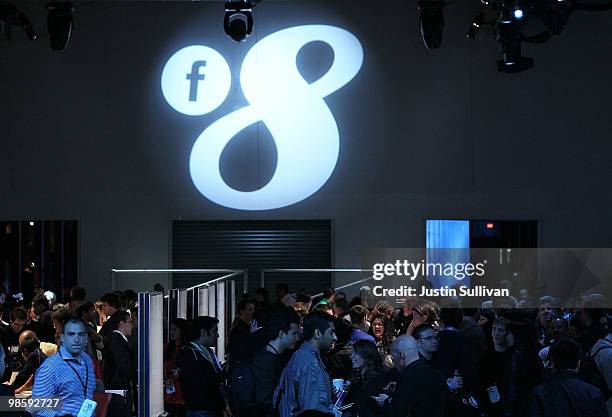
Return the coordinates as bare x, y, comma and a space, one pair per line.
68, 374
358, 315
304, 383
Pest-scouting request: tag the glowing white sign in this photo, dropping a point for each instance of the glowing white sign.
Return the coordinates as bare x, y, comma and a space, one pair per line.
303, 127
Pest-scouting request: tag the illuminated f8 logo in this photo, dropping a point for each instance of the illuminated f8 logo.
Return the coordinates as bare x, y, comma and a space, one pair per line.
303, 127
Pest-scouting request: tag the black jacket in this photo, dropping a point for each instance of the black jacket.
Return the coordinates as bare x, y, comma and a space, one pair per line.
456, 352
360, 393
590, 335
107, 328
32, 363
420, 392
201, 382
564, 395
117, 363
515, 373
267, 369
338, 362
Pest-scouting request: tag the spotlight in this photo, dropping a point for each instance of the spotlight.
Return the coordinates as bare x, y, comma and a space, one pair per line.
518, 14
238, 22
512, 60
432, 22
23, 21
59, 24
475, 26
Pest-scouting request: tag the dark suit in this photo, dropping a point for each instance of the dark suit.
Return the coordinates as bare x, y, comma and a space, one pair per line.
421, 392
564, 395
117, 374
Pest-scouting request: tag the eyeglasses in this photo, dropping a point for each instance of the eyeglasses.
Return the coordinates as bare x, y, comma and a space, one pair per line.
430, 338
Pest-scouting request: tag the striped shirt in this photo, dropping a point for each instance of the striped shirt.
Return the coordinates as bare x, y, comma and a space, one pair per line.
57, 377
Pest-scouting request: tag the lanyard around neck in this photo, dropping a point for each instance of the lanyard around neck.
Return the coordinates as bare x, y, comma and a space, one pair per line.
208, 355
84, 384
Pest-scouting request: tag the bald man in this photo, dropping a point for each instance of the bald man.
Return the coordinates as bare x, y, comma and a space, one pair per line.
421, 390
29, 345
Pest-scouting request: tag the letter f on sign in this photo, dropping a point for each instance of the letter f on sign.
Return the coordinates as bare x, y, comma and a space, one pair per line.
193, 78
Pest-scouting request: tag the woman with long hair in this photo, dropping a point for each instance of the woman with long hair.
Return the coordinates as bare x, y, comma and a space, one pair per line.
382, 338
173, 398
369, 379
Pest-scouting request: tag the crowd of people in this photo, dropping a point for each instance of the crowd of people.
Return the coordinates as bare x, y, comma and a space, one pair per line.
299, 355
69, 350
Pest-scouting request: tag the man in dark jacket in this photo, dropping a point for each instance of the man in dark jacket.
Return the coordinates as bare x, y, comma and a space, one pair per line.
118, 364
111, 303
284, 330
469, 328
455, 351
338, 360
43, 326
564, 395
29, 345
202, 378
421, 390
594, 329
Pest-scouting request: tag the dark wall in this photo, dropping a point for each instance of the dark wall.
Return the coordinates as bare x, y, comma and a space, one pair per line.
86, 134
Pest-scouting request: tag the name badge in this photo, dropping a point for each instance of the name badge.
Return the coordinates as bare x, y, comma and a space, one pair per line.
493, 394
87, 408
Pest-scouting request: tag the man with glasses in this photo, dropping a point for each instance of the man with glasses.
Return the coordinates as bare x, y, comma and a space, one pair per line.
118, 364
427, 341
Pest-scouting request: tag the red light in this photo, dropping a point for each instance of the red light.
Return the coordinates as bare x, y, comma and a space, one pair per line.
490, 225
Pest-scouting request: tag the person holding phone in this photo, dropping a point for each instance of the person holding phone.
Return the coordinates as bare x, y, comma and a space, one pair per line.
507, 373
369, 379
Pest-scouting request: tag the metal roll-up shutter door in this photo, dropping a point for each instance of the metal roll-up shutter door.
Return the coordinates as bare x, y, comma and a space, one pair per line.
254, 245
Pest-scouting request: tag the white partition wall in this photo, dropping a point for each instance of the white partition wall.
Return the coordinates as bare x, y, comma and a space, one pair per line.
202, 309
182, 305
150, 354
221, 316
178, 303
212, 292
